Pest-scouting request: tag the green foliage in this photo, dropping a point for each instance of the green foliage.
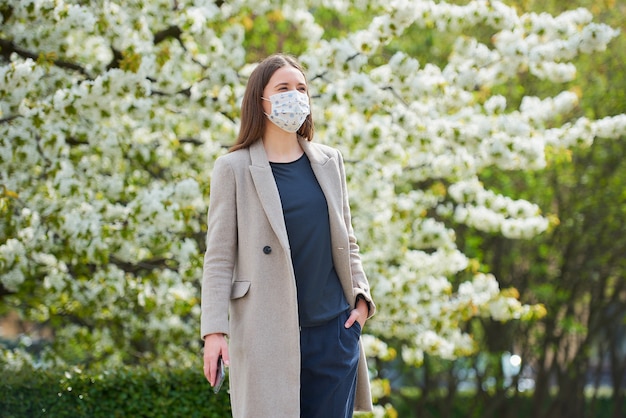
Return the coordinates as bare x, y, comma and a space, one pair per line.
124, 392
271, 32
468, 405
576, 268
139, 392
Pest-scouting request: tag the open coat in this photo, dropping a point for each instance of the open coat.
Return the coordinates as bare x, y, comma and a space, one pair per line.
249, 287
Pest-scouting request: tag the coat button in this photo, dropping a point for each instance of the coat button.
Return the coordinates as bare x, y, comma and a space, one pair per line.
267, 249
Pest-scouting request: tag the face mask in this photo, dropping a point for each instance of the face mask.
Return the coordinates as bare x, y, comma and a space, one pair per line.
289, 109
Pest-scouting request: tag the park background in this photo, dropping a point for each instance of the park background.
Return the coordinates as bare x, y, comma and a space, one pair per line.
484, 144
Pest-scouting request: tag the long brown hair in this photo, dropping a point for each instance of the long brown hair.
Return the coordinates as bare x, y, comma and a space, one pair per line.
253, 118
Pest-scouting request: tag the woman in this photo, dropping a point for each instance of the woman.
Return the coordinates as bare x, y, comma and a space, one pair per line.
282, 273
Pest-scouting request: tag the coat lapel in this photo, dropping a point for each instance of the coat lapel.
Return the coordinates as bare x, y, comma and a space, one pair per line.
327, 174
267, 191
326, 171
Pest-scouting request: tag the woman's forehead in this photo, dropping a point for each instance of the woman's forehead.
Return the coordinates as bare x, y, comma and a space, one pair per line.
286, 75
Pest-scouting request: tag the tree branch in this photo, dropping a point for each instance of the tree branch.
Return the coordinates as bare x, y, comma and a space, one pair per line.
9, 118
4, 291
8, 47
156, 263
190, 140
170, 32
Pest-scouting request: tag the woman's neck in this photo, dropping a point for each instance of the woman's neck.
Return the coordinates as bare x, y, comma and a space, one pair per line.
282, 147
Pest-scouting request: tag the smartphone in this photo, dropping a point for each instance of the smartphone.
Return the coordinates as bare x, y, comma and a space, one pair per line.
221, 374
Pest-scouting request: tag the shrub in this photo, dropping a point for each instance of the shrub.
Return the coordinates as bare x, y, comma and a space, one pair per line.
126, 392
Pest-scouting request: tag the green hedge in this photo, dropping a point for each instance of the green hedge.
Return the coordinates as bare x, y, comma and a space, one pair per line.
128, 392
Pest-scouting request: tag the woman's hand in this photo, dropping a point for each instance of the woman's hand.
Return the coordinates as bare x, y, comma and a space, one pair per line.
358, 314
215, 345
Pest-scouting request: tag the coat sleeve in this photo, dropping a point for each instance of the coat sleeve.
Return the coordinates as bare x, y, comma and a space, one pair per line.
221, 250
360, 283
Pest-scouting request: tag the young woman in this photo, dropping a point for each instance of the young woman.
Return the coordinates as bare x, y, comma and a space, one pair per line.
284, 295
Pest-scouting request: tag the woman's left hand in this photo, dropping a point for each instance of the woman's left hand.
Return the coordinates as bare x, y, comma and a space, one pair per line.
359, 314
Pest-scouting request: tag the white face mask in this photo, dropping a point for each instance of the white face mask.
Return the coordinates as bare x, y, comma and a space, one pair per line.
289, 109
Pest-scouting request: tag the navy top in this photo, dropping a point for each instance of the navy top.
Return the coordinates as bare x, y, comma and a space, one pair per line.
320, 295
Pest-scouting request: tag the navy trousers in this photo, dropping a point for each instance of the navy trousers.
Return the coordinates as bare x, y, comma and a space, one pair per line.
330, 356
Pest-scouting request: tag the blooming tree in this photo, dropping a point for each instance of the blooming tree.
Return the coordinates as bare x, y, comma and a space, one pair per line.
112, 114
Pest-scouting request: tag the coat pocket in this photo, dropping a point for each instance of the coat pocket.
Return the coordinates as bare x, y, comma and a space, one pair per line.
239, 289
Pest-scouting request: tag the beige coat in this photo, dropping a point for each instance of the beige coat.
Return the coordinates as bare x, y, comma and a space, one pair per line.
249, 278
